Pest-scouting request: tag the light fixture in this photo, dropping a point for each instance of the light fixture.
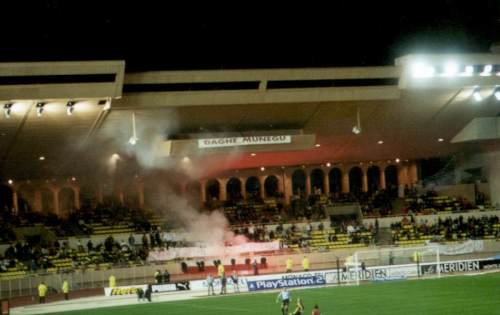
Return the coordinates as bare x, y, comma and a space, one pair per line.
73, 178
39, 108
469, 71
262, 168
476, 94
7, 109
41, 158
357, 129
496, 92
422, 70
486, 71
328, 164
70, 106
440, 140
317, 145
380, 142
10, 181
253, 154
133, 140
397, 160
450, 69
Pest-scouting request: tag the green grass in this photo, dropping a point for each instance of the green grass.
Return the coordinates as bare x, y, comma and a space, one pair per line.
452, 295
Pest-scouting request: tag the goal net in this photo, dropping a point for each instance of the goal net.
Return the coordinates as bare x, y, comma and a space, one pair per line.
392, 264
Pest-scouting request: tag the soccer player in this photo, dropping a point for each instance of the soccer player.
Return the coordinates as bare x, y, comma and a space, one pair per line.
284, 296
210, 284
299, 308
315, 310
236, 285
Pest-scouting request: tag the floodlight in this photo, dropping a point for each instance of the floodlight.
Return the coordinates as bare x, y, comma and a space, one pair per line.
476, 94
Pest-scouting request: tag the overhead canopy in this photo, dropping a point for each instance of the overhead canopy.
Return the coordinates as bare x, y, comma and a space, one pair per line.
403, 114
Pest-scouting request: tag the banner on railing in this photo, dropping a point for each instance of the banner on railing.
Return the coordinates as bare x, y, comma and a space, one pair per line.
213, 251
467, 247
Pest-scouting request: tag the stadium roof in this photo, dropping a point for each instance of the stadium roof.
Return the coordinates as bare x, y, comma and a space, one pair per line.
406, 106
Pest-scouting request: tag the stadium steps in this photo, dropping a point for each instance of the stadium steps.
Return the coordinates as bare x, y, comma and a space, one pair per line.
384, 236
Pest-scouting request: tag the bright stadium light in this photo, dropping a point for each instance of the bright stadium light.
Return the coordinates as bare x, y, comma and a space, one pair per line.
469, 71
476, 93
10, 181
450, 69
486, 71
422, 70
39, 109
328, 164
496, 92
7, 109
70, 106
262, 168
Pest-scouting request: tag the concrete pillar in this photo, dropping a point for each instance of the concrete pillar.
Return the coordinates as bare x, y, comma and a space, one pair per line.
413, 173
140, 195
222, 189
326, 184
491, 163
243, 190
382, 178
203, 191
287, 187
308, 183
55, 196
15, 203
403, 175
281, 189
262, 180
345, 181
38, 201
364, 183
76, 191
121, 198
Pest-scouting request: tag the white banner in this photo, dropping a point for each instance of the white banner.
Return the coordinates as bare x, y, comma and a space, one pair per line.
214, 251
239, 141
459, 249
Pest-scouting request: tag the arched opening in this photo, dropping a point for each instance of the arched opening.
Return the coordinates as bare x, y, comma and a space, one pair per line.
212, 189
252, 187
355, 180
26, 198
317, 181
335, 179
391, 179
6, 201
88, 197
193, 191
298, 182
47, 200
66, 201
233, 189
373, 175
271, 186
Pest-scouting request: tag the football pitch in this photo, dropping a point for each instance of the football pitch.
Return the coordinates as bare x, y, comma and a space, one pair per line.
451, 295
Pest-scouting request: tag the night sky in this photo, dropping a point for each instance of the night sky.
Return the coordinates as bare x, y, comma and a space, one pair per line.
245, 34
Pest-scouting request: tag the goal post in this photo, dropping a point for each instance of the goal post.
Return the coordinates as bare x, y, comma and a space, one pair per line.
394, 263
